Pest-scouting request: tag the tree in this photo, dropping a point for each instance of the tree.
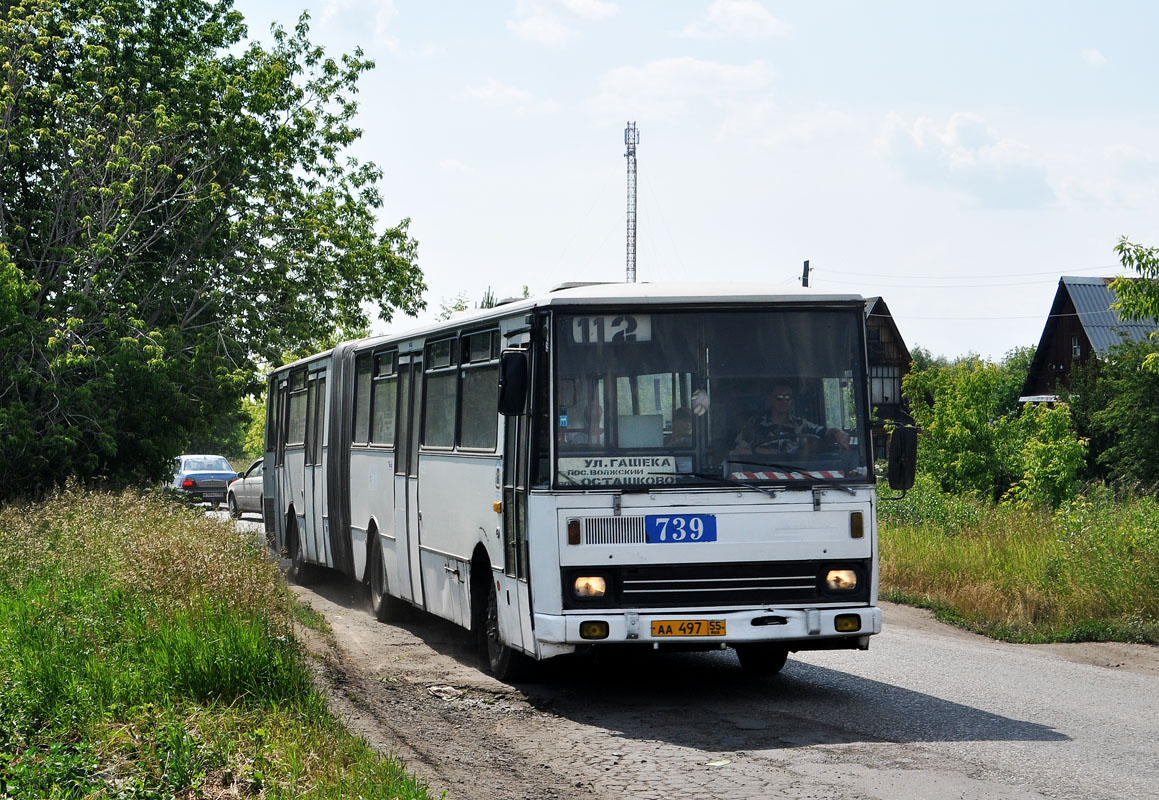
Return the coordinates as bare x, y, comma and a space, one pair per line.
1116, 403
974, 438
448, 309
965, 443
174, 212
924, 359
1138, 298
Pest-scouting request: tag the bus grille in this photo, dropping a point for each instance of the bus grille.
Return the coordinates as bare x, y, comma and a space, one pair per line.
771, 583
613, 530
711, 585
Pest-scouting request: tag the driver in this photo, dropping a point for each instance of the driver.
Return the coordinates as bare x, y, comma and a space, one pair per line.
775, 431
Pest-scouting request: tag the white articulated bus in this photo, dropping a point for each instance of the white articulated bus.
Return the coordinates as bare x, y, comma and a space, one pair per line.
609, 464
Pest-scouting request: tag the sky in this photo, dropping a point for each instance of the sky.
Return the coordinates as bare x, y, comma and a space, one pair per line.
954, 159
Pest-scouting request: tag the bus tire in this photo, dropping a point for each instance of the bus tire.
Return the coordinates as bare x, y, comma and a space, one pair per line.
386, 607
300, 571
503, 662
762, 658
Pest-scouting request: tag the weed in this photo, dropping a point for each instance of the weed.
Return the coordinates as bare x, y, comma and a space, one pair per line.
147, 651
1085, 572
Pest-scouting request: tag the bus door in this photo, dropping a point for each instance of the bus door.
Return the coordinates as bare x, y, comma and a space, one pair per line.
407, 518
315, 477
516, 601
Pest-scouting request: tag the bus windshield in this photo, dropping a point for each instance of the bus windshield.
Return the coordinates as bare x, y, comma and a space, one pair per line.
689, 398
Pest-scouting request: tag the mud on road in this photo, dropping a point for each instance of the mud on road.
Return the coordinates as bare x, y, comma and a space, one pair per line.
688, 725
622, 728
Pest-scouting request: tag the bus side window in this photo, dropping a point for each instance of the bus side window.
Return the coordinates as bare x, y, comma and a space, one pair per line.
361, 432
440, 396
383, 397
296, 424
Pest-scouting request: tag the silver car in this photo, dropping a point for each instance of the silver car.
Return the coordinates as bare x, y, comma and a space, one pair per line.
245, 494
202, 478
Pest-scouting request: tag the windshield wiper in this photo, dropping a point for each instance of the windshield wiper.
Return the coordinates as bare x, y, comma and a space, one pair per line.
798, 470
708, 476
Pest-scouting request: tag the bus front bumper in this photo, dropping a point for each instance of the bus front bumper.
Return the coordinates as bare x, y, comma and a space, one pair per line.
799, 629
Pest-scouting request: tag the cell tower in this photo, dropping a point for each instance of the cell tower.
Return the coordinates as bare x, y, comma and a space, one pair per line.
631, 139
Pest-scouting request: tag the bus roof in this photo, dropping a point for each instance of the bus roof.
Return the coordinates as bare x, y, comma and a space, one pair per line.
612, 294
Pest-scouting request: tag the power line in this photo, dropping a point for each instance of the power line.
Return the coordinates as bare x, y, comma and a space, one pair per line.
941, 286
1056, 272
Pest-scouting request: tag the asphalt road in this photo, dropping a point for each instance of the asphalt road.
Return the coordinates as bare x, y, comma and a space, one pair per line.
928, 712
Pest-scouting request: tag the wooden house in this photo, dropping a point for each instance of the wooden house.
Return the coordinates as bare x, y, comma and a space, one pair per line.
1081, 324
889, 361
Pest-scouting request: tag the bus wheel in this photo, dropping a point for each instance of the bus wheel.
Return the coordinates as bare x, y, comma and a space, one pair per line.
503, 662
300, 571
762, 658
387, 608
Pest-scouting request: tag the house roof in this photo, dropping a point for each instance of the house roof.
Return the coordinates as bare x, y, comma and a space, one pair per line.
1092, 298
876, 307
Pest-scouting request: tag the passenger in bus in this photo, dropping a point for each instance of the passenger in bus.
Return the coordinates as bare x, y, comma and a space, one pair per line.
777, 431
681, 434
592, 432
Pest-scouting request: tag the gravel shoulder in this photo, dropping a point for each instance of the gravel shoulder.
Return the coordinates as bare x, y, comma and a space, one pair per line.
418, 691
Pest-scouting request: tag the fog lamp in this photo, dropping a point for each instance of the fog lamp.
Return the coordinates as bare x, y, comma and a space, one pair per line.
593, 629
591, 586
847, 623
841, 580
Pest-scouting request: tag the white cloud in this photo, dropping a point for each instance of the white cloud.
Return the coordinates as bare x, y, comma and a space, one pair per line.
332, 8
746, 19
549, 21
664, 89
1134, 164
382, 20
591, 9
1093, 58
968, 156
764, 123
496, 94
455, 165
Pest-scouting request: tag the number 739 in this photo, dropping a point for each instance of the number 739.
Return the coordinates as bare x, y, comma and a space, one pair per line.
681, 528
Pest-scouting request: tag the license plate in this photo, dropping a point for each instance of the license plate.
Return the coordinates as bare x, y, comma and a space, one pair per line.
688, 627
679, 528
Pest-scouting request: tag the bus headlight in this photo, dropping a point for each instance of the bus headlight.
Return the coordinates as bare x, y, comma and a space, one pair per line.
841, 580
590, 586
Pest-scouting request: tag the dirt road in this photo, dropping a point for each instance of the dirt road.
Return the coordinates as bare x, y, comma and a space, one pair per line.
928, 712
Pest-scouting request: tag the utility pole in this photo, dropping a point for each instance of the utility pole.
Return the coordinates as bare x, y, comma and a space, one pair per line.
631, 139
805, 275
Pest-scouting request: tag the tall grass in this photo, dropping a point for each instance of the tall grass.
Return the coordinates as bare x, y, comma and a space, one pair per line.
147, 651
1086, 572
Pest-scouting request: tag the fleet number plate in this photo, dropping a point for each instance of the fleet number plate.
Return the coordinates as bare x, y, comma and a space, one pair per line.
688, 627
676, 528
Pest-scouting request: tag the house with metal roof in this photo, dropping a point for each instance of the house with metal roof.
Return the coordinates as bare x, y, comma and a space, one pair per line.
1081, 324
889, 361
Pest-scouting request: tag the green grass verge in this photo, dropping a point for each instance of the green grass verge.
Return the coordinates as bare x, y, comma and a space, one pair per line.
1086, 572
147, 651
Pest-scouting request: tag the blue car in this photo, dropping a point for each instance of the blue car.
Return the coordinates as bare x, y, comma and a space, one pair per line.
203, 479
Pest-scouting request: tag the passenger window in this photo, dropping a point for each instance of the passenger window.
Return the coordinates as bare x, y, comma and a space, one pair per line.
362, 399
384, 392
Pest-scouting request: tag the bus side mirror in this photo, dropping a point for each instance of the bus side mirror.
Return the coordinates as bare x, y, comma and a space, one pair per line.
903, 456
513, 383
